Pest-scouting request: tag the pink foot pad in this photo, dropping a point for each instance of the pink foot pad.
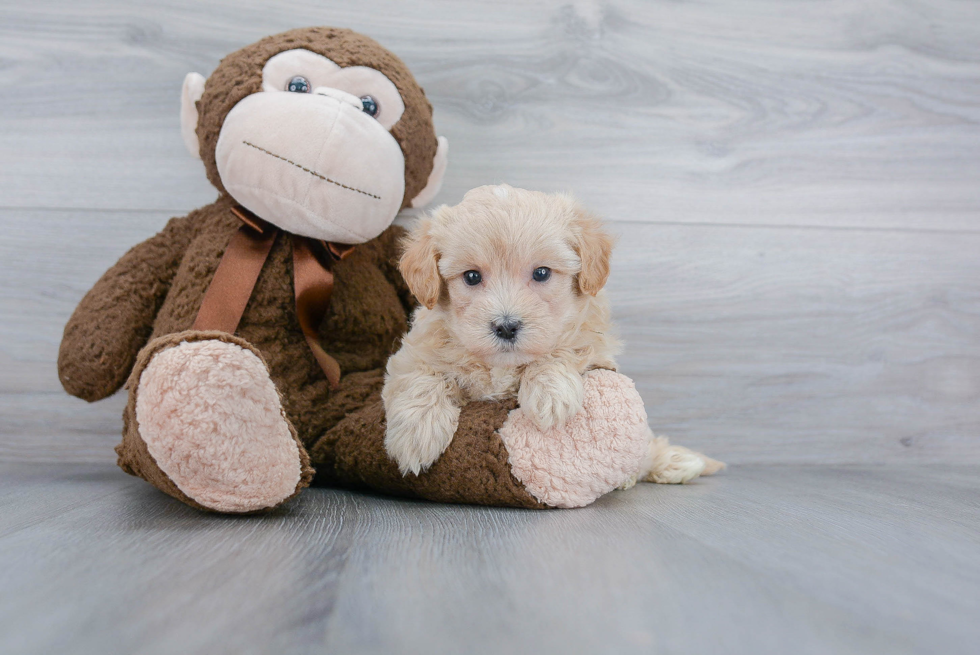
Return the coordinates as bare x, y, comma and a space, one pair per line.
211, 418
593, 453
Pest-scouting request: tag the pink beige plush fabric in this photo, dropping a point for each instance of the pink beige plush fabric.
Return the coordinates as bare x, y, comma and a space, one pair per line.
211, 419
594, 453
209, 413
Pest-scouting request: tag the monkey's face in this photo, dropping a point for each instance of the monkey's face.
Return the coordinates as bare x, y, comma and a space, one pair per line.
313, 152
312, 149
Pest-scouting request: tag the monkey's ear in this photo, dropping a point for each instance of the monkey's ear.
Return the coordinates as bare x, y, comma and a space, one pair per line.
594, 246
191, 93
419, 265
426, 195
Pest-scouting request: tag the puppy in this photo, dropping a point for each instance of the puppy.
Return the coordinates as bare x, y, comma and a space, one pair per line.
510, 283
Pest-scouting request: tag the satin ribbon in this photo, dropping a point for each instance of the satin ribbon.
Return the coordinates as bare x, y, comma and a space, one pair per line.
234, 281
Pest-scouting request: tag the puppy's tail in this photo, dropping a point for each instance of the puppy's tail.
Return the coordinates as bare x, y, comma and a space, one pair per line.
712, 466
667, 464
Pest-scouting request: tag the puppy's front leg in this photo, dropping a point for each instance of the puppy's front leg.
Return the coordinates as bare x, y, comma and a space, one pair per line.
422, 418
551, 392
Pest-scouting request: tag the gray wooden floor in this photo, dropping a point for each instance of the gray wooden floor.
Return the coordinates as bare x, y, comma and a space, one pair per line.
769, 559
796, 186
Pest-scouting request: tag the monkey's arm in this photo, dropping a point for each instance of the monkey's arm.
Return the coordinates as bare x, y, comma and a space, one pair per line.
115, 318
473, 469
497, 456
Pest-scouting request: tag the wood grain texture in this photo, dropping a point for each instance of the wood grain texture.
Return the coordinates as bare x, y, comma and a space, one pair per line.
756, 112
788, 344
753, 344
794, 185
764, 559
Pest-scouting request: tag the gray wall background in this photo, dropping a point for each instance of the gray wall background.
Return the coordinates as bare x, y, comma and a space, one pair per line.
796, 187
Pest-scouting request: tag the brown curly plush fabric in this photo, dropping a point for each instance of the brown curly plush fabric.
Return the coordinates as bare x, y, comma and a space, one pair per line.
475, 465
157, 288
148, 301
240, 75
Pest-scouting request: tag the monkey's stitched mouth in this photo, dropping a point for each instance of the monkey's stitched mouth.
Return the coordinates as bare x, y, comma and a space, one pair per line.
312, 172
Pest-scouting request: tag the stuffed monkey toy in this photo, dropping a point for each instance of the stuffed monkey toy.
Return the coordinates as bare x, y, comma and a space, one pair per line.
252, 334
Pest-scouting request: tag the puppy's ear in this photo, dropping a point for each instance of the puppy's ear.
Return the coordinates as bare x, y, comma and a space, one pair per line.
420, 265
594, 247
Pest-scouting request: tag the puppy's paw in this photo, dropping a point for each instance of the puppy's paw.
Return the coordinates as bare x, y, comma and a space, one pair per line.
416, 438
551, 394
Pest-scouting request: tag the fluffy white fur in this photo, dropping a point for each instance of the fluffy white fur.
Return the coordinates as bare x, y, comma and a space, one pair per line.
453, 354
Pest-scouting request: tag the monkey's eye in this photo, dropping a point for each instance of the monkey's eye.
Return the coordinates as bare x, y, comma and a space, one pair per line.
370, 105
298, 84
541, 273
472, 278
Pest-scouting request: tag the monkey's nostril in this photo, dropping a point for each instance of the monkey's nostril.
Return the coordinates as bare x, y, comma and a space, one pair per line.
506, 329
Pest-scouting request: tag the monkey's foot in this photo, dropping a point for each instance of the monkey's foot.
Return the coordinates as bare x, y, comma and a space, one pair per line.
597, 450
211, 419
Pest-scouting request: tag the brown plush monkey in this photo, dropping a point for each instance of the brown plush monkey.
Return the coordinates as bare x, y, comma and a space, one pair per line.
254, 337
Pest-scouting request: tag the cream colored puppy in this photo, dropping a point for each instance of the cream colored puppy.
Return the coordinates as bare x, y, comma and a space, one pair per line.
511, 286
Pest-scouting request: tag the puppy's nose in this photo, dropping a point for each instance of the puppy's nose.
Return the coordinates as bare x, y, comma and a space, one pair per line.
506, 328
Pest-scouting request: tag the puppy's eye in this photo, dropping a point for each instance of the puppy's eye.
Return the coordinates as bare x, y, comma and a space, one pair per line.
472, 278
298, 84
541, 273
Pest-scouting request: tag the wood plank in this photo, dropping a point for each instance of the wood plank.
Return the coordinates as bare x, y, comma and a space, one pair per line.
837, 114
763, 559
795, 189
804, 345
754, 344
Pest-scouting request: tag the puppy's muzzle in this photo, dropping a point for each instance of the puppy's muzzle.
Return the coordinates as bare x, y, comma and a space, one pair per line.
505, 328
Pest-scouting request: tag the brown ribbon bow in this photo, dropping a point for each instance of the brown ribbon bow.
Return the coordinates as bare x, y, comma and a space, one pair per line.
228, 294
